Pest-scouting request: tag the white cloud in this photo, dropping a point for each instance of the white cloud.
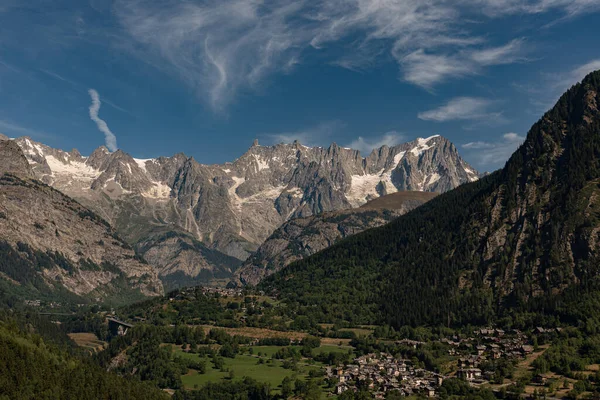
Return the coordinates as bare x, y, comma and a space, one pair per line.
427, 70
506, 54
317, 135
498, 8
321, 135
366, 145
109, 138
491, 155
222, 47
461, 108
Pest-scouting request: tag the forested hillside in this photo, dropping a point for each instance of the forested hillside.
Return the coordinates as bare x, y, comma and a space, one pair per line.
42, 367
524, 238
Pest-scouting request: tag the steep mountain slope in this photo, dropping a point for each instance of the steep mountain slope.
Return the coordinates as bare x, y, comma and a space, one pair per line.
182, 260
51, 244
523, 238
234, 207
301, 237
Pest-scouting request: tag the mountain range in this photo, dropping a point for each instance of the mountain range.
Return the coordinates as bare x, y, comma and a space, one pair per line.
525, 238
198, 223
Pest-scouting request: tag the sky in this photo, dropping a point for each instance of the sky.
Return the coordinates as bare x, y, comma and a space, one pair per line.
206, 78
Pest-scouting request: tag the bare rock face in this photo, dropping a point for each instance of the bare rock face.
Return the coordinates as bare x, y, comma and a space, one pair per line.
301, 237
51, 242
232, 208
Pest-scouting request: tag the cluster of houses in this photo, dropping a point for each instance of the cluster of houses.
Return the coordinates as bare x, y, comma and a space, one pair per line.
382, 373
39, 303
190, 293
228, 292
486, 344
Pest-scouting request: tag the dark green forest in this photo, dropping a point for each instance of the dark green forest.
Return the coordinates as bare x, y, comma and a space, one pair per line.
38, 362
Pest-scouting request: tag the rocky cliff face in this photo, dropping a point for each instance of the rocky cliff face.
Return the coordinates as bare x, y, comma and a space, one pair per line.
51, 242
301, 237
234, 207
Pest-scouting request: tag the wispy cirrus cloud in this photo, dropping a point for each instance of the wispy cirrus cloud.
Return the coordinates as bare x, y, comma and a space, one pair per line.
109, 138
462, 109
563, 81
14, 129
222, 47
490, 155
570, 8
367, 144
506, 54
427, 70
544, 94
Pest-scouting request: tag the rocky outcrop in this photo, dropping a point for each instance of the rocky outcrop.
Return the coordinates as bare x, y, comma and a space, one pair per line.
13, 161
301, 237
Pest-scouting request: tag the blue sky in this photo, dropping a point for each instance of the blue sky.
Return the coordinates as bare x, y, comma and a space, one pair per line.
207, 77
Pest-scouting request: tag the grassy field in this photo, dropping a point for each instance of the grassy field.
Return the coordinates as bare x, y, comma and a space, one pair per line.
330, 347
271, 371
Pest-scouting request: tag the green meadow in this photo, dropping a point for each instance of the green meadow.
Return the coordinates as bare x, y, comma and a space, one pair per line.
270, 371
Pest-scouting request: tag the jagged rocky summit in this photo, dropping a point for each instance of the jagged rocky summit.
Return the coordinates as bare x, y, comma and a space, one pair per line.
233, 207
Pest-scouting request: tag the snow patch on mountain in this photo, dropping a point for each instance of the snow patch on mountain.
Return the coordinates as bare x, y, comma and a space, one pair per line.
433, 178
423, 145
261, 164
142, 162
398, 157
363, 188
73, 169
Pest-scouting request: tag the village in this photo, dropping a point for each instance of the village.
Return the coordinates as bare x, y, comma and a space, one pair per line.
382, 372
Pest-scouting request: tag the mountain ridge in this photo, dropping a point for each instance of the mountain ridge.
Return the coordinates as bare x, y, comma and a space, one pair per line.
52, 244
516, 240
